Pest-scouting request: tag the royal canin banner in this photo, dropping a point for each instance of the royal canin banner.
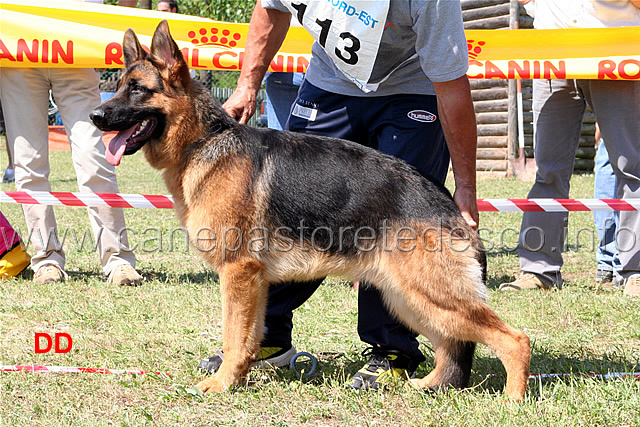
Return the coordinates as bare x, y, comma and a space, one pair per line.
87, 35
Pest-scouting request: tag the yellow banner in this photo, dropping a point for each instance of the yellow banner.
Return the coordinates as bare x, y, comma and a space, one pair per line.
78, 34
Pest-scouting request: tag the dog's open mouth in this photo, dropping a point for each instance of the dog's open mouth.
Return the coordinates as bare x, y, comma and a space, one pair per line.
128, 141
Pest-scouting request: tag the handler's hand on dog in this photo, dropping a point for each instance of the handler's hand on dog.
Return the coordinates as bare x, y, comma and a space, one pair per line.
465, 199
241, 105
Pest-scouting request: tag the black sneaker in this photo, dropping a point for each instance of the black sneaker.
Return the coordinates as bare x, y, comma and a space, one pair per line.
604, 278
383, 367
276, 357
608, 280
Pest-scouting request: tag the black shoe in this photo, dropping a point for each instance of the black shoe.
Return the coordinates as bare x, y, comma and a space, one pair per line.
276, 357
604, 278
383, 367
9, 176
608, 280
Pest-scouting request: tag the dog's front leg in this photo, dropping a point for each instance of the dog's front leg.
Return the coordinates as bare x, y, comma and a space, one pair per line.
244, 300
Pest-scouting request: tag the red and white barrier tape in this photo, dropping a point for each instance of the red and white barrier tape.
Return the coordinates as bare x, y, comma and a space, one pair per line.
166, 202
73, 370
557, 205
86, 199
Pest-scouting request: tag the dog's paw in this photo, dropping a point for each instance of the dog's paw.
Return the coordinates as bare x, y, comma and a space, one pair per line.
424, 384
212, 385
415, 383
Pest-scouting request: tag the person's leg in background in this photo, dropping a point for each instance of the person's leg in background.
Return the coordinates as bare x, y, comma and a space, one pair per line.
25, 94
558, 108
282, 91
395, 348
394, 352
604, 187
76, 92
616, 105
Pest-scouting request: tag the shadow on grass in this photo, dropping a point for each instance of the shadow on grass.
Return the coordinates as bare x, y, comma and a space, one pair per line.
548, 367
202, 277
494, 282
496, 253
488, 374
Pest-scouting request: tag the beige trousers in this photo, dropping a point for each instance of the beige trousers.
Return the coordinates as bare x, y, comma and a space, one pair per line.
25, 94
558, 107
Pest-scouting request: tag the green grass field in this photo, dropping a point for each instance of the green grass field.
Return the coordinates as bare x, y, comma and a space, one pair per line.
173, 321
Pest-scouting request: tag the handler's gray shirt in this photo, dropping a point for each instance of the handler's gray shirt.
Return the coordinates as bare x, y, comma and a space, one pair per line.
424, 38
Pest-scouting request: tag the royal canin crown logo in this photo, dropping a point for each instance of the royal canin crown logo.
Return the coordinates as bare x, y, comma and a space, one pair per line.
475, 47
214, 37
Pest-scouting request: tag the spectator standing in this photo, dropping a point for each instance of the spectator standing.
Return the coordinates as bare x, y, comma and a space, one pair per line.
76, 92
558, 108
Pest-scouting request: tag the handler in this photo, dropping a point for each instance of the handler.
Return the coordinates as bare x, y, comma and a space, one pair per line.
389, 75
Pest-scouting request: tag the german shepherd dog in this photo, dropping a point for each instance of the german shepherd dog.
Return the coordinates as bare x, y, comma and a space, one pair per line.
283, 206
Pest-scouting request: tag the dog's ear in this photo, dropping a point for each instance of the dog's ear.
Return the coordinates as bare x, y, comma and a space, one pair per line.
131, 48
165, 53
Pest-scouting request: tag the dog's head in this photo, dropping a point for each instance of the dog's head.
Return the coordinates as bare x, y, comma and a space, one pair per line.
150, 97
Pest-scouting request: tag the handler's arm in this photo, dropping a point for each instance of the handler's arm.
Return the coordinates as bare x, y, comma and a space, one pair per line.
458, 118
267, 30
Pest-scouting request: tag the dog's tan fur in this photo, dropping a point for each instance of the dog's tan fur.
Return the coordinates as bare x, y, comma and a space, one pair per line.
437, 293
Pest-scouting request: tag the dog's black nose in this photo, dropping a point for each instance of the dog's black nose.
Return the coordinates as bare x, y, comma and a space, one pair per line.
97, 116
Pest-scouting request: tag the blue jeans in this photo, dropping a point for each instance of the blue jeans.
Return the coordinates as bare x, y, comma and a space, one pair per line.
282, 90
606, 222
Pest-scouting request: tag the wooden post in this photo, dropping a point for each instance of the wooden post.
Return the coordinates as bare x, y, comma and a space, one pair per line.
512, 128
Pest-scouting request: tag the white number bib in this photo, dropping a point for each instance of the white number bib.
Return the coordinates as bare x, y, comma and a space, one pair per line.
339, 26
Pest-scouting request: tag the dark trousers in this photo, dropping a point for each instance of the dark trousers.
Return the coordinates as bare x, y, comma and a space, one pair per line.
403, 126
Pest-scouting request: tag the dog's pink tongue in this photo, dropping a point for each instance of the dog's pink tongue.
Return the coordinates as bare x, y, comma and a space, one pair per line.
118, 144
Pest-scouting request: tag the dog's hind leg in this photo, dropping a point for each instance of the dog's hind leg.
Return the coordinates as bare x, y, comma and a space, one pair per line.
448, 308
453, 364
244, 300
453, 332
456, 328
453, 357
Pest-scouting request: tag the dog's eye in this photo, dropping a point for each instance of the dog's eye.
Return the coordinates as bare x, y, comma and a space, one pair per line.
136, 87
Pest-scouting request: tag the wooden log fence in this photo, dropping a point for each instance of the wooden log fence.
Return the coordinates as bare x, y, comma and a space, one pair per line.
495, 100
